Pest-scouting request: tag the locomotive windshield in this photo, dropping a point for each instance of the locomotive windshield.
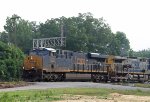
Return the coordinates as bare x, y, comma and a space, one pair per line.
33, 52
43, 53
39, 52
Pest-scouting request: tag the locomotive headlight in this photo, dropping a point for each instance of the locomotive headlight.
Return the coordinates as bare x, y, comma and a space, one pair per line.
23, 67
31, 58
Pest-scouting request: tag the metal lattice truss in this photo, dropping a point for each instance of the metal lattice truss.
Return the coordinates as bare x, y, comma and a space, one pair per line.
49, 42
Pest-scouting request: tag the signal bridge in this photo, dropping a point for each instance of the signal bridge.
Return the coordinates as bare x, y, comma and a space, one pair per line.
49, 42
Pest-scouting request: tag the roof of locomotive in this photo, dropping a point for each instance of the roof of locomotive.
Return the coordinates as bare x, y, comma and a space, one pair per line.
120, 57
43, 48
97, 55
50, 49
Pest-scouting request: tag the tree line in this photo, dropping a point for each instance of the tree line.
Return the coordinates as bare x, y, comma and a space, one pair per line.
83, 33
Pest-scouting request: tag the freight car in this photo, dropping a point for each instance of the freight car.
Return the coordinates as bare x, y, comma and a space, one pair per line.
57, 65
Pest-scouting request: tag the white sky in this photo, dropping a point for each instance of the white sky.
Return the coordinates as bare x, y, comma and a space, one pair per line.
129, 16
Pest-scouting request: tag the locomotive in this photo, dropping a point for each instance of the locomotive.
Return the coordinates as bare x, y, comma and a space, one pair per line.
57, 65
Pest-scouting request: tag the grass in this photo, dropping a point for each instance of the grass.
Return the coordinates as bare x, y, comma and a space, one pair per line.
56, 94
142, 85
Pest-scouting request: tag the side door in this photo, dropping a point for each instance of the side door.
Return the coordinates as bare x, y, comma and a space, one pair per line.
52, 61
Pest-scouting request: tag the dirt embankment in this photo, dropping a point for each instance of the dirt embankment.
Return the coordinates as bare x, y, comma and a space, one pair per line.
12, 84
114, 97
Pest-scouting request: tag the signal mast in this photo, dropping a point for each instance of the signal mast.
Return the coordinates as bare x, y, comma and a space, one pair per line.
50, 42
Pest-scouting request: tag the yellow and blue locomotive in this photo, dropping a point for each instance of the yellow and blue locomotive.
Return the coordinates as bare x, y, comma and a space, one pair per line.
57, 65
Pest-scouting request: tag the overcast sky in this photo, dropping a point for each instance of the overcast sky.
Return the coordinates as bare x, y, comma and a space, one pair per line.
129, 16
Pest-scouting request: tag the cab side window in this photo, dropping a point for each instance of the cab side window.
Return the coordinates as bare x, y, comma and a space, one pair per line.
51, 53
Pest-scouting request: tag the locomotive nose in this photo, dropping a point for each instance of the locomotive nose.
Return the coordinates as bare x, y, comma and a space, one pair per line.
32, 62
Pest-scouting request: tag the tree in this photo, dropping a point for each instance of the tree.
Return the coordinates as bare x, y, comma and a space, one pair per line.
10, 27
51, 28
86, 33
131, 53
4, 37
142, 53
20, 32
83, 33
122, 44
11, 60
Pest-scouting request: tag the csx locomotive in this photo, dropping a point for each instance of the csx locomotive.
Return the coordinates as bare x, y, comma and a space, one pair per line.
57, 65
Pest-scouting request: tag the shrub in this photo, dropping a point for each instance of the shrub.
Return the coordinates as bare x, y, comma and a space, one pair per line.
11, 59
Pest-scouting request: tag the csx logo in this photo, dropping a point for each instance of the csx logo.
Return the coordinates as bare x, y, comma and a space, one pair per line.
80, 61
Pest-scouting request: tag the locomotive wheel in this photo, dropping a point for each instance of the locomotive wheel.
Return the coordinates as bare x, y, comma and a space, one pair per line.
61, 77
105, 79
98, 78
93, 78
53, 77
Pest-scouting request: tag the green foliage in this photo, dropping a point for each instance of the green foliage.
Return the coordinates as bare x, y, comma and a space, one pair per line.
131, 53
142, 53
4, 37
11, 59
83, 33
20, 32
142, 85
122, 44
86, 33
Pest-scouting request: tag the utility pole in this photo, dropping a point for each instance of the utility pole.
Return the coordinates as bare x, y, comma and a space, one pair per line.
62, 34
15, 27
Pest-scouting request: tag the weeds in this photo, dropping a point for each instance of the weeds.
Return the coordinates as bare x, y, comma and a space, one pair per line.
57, 94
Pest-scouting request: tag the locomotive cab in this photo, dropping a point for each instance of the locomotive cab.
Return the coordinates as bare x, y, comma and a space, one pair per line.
39, 60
